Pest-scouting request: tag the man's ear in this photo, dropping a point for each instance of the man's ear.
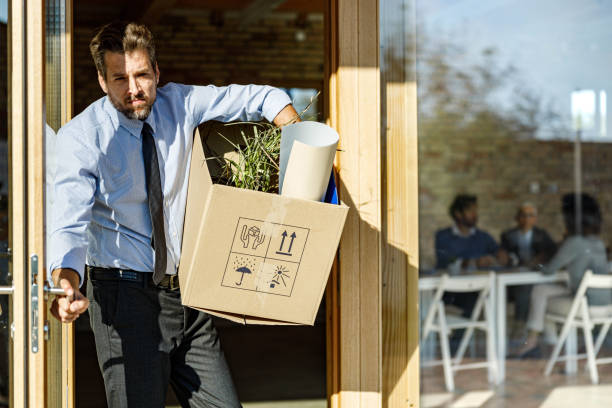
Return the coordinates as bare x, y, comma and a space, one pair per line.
156, 74
102, 82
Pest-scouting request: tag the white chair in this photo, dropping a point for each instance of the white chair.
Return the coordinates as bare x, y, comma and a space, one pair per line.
438, 321
577, 313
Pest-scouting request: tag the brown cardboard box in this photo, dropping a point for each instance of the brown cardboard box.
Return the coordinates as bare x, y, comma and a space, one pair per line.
255, 257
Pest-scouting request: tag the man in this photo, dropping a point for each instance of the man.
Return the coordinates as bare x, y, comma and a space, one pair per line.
528, 246
120, 192
464, 242
465, 246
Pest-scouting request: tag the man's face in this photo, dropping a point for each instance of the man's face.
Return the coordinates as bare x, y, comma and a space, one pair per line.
526, 218
130, 82
469, 216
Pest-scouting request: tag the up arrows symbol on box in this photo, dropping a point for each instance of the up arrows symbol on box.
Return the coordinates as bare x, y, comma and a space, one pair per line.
284, 235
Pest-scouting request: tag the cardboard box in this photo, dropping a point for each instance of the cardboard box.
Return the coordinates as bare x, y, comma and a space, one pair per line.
255, 257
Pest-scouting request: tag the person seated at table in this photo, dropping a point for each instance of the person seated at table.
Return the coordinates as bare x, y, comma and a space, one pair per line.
466, 246
581, 250
527, 246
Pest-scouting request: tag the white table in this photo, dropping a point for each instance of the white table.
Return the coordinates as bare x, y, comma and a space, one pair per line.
505, 279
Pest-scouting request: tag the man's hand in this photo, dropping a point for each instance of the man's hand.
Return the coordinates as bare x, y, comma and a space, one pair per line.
287, 116
66, 308
486, 261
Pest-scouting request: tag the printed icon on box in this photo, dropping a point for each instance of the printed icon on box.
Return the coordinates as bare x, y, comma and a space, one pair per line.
277, 277
240, 266
252, 234
289, 242
280, 273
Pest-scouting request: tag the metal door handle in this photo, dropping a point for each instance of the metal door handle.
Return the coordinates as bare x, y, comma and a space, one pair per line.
7, 254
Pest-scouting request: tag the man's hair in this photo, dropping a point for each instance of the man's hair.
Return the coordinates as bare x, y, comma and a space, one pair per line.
121, 37
589, 222
525, 205
461, 203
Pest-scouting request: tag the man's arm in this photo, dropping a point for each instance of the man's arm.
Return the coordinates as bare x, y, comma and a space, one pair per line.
286, 116
236, 102
443, 256
74, 188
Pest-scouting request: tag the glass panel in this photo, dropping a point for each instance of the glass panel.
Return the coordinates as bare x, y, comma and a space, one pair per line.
512, 100
55, 104
5, 279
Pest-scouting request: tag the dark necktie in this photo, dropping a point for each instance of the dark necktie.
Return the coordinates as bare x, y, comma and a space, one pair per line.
154, 192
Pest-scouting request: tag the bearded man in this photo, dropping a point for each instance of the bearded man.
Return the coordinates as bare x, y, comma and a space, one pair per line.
120, 191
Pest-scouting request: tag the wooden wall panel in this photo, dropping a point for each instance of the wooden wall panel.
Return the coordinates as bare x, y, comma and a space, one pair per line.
355, 113
378, 266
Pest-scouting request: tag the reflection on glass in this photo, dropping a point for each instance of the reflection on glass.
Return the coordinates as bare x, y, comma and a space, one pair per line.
512, 100
55, 105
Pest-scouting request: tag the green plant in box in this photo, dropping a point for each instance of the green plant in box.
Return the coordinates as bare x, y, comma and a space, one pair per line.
254, 163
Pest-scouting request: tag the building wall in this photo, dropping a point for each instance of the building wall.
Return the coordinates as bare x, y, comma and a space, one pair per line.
206, 47
504, 172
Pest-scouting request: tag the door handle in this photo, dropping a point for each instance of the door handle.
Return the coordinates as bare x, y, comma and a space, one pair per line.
8, 253
34, 301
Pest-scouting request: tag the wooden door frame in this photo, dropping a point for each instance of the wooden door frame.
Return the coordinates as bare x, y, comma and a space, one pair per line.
373, 291
34, 178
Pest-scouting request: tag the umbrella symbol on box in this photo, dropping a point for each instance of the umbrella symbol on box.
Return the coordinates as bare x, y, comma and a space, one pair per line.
242, 270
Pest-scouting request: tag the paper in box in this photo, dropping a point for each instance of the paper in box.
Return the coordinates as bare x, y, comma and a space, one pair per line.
255, 257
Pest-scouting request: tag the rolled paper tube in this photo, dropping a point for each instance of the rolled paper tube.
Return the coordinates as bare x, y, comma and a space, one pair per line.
306, 159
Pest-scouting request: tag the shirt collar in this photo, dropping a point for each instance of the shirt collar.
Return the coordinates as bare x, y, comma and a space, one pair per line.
134, 126
526, 235
456, 231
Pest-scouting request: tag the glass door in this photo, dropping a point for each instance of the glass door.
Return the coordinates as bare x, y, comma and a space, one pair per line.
34, 51
6, 290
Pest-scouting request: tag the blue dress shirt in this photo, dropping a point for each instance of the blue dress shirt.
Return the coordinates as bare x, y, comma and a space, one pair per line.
100, 214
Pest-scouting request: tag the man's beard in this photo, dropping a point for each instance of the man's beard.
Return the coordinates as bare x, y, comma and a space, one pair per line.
140, 114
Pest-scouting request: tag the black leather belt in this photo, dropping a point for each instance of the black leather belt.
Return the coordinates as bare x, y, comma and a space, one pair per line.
170, 282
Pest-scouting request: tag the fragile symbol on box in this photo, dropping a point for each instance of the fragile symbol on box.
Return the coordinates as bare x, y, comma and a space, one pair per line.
265, 257
254, 233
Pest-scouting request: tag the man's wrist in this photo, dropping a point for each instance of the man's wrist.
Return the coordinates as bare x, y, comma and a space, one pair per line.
66, 273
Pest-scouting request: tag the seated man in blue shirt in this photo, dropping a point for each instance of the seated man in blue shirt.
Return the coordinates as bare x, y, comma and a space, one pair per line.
465, 246
120, 191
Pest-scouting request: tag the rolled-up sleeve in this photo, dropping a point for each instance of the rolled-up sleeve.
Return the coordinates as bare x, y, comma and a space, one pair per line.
235, 102
74, 186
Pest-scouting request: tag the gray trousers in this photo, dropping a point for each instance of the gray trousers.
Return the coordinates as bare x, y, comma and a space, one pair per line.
145, 340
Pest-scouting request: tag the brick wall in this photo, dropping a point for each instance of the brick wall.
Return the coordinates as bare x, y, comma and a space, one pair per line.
204, 47
504, 172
